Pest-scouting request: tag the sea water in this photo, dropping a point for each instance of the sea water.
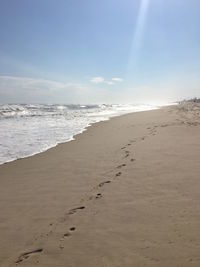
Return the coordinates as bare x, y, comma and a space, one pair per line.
27, 129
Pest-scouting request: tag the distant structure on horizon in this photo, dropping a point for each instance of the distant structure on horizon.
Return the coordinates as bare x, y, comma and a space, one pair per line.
195, 100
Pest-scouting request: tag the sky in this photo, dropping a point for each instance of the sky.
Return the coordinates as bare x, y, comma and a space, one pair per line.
108, 51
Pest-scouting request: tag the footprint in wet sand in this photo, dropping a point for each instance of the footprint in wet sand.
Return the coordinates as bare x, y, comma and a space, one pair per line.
27, 254
99, 195
127, 153
118, 174
120, 166
123, 147
133, 160
102, 184
72, 211
66, 235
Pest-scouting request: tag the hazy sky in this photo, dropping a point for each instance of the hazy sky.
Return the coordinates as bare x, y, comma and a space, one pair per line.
86, 51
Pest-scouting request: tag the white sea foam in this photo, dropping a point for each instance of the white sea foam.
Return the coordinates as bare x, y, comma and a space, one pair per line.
29, 129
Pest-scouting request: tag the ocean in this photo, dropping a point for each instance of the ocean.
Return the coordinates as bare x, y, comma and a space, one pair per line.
27, 129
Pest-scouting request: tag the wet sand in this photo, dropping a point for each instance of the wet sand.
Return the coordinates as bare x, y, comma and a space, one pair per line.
124, 193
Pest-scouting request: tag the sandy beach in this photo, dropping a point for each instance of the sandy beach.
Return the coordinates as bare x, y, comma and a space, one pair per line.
124, 193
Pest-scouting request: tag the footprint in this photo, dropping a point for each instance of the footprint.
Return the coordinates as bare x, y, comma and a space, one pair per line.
72, 211
72, 228
102, 184
67, 234
99, 195
133, 159
127, 153
27, 254
120, 166
118, 174
123, 147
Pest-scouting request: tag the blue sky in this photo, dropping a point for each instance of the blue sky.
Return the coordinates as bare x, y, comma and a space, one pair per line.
83, 51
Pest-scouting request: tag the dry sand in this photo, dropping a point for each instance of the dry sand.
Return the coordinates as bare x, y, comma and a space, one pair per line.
125, 193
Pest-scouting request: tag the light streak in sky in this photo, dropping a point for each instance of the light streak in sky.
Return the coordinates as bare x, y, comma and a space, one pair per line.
138, 34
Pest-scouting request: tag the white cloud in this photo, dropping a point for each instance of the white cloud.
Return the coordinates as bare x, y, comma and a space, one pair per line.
30, 90
100, 79
117, 79
97, 80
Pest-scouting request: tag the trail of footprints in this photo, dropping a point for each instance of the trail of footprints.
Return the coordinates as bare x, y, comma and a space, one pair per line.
98, 196
71, 230
26, 255
66, 235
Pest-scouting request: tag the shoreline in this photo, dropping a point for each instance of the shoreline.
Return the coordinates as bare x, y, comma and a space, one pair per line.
124, 193
84, 130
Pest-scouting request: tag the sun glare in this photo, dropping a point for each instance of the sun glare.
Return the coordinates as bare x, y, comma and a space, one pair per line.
138, 33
